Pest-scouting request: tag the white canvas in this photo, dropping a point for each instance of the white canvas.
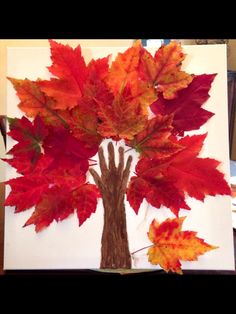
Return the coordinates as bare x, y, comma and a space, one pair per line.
64, 245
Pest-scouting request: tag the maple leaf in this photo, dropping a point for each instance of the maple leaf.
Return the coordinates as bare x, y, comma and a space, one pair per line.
26, 191
61, 142
25, 167
73, 75
65, 172
84, 124
155, 139
136, 192
69, 67
85, 201
188, 114
68, 63
28, 149
191, 174
65, 93
121, 119
193, 178
157, 189
34, 102
123, 68
58, 203
167, 179
55, 204
84, 119
124, 74
163, 70
56, 188
171, 244
98, 70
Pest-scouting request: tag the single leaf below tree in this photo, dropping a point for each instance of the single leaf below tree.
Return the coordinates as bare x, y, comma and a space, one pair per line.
186, 108
171, 244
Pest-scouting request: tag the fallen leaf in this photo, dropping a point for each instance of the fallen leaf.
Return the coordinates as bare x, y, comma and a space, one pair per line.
172, 245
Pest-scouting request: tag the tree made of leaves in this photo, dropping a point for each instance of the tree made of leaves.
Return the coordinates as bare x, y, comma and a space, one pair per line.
146, 101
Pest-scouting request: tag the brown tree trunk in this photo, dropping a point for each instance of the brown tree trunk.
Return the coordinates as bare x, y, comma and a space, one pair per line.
112, 184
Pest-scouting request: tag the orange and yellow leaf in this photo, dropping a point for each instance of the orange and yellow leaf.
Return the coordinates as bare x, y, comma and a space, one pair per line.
171, 245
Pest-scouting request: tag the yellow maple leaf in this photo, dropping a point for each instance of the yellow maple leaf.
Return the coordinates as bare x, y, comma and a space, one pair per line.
172, 245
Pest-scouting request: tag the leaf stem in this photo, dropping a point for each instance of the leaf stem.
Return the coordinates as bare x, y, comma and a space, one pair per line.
146, 247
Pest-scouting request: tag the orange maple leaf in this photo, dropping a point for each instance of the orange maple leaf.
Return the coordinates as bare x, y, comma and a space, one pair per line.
155, 139
172, 245
84, 123
34, 102
124, 68
163, 70
124, 74
121, 119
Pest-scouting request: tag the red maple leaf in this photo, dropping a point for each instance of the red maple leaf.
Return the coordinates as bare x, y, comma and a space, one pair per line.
73, 76
59, 202
69, 67
28, 149
191, 174
186, 108
57, 186
157, 192
164, 181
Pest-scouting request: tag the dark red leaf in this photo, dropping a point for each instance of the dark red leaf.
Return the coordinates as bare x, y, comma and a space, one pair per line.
188, 114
